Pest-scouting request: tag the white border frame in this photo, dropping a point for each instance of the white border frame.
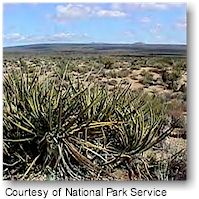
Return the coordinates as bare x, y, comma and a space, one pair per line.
180, 189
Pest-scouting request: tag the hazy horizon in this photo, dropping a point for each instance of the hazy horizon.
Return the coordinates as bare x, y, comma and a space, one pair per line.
90, 43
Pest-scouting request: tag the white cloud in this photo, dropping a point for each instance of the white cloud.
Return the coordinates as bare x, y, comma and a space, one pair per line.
14, 37
159, 6
110, 13
66, 12
76, 11
145, 20
72, 11
67, 37
129, 7
58, 37
181, 24
61, 36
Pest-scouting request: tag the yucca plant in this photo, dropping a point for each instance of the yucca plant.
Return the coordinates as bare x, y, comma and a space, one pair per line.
78, 131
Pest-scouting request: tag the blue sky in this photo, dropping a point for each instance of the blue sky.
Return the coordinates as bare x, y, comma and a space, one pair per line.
94, 22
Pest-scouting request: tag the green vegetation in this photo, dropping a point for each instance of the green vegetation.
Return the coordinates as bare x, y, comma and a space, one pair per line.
107, 62
148, 79
61, 122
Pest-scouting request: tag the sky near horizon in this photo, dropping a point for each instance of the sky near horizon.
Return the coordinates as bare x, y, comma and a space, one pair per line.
30, 23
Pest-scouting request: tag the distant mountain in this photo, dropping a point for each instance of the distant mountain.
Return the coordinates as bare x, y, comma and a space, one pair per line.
139, 43
135, 48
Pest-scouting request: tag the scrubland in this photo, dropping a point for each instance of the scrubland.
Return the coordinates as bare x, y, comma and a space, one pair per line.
94, 117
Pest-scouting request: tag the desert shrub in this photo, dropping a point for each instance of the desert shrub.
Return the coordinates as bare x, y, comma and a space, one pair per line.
135, 66
112, 74
160, 63
81, 69
107, 62
76, 131
139, 61
169, 167
147, 78
171, 78
109, 73
180, 65
166, 61
124, 72
176, 111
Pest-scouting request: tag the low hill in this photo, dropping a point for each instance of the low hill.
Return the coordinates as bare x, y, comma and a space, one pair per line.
136, 48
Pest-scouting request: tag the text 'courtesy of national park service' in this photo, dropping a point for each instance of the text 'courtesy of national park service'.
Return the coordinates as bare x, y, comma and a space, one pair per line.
94, 92
81, 192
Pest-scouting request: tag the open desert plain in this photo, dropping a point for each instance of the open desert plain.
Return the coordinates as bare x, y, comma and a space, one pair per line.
98, 112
